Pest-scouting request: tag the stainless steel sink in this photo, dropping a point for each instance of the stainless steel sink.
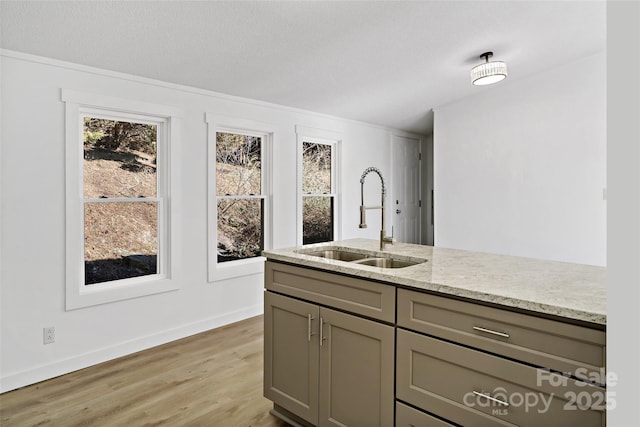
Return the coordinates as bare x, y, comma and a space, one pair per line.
337, 254
386, 262
374, 260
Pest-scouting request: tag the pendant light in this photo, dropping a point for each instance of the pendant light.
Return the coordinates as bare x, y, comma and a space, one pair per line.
489, 72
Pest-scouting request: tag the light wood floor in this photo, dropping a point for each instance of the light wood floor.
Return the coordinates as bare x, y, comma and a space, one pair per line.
210, 379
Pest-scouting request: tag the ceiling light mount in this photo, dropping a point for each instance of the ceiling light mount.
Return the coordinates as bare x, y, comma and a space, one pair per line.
488, 73
486, 56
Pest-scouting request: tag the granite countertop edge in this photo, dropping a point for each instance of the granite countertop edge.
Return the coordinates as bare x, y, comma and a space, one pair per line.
565, 290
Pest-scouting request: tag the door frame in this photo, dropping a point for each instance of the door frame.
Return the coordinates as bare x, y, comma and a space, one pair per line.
394, 158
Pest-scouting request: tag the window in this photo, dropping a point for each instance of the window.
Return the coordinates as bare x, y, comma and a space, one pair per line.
121, 201
239, 196
318, 186
317, 192
119, 221
239, 219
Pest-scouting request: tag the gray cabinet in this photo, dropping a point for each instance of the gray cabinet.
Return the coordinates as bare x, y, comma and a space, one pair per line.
510, 382
325, 367
356, 371
548, 343
336, 347
291, 356
362, 297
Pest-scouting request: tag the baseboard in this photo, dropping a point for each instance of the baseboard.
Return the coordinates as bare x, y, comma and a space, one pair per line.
65, 366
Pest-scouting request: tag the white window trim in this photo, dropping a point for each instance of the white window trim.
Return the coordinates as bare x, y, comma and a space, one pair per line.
320, 136
249, 266
79, 295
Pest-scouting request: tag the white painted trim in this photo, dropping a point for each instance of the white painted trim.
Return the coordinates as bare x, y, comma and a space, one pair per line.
183, 88
73, 205
250, 266
238, 268
325, 134
65, 366
239, 123
119, 105
77, 294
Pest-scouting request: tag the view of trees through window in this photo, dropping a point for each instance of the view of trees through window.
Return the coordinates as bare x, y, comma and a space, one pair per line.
120, 199
317, 197
239, 195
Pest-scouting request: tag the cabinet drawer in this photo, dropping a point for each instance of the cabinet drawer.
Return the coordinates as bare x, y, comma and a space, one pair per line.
547, 343
406, 416
473, 388
371, 299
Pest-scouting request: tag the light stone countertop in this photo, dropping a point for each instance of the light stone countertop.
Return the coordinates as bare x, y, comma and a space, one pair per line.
571, 291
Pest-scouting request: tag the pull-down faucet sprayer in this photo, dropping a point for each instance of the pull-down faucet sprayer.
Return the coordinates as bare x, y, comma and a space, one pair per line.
363, 223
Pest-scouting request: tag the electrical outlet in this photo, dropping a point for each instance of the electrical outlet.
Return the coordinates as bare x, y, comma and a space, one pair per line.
49, 335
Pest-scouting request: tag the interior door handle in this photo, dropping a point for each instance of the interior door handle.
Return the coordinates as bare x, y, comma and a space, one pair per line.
398, 211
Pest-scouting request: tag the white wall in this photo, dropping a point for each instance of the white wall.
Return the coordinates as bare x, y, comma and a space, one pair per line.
520, 168
33, 218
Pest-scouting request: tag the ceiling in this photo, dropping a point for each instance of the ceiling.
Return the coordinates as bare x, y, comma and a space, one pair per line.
386, 63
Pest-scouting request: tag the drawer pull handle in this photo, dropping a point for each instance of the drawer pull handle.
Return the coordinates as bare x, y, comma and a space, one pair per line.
489, 331
493, 399
309, 333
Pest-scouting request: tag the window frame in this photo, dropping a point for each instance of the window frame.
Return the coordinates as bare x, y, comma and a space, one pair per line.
218, 271
333, 139
77, 106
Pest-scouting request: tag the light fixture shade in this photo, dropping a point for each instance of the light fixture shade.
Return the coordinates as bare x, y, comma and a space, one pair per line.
489, 72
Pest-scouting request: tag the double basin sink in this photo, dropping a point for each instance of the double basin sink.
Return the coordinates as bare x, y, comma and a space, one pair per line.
374, 260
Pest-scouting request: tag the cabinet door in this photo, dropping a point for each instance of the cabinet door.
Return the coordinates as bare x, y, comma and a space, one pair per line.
291, 355
356, 371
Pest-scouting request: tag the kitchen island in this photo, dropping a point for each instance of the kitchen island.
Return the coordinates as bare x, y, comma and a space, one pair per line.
441, 336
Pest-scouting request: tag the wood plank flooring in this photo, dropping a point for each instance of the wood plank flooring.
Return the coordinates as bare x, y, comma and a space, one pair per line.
210, 379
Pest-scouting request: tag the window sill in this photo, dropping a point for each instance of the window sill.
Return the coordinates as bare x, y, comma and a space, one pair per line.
239, 268
102, 293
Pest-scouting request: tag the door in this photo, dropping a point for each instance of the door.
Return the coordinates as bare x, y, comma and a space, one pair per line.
356, 371
405, 204
291, 355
